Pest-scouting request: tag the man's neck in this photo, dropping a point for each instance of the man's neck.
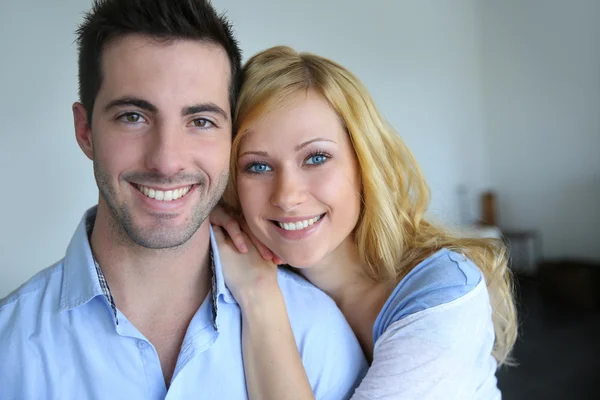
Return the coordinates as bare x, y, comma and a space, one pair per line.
159, 291
146, 282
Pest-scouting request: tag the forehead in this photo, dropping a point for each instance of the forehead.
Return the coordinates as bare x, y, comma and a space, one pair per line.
178, 70
303, 116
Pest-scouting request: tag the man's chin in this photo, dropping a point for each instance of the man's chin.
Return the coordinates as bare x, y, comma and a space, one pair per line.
163, 233
160, 241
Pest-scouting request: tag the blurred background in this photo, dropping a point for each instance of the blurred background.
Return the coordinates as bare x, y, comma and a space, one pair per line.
499, 101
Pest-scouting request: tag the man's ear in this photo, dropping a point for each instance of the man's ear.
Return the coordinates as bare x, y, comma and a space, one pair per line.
83, 130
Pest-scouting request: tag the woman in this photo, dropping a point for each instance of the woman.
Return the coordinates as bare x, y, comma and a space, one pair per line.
329, 188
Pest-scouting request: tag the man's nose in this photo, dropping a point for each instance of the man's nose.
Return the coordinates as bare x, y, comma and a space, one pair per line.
165, 154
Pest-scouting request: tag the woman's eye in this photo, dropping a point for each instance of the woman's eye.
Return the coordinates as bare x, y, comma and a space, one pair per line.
258, 168
316, 159
202, 123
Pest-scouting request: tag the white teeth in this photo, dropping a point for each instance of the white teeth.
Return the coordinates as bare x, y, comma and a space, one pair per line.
295, 226
167, 195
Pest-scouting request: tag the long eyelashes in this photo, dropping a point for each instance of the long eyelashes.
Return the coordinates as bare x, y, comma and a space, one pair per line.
319, 157
254, 167
314, 159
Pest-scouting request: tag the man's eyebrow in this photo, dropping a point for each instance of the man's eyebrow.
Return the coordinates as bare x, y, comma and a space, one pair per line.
131, 101
204, 107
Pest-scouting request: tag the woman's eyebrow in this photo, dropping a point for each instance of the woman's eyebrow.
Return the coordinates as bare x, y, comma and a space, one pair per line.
303, 145
257, 153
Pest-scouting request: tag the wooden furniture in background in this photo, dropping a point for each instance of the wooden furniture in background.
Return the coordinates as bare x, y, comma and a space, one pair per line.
488, 208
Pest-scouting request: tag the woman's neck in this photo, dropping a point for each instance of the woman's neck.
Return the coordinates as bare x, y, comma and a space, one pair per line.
342, 275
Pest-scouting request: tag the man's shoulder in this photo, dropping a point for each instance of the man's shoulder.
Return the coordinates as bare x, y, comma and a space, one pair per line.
297, 289
288, 274
312, 312
29, 293
329, 349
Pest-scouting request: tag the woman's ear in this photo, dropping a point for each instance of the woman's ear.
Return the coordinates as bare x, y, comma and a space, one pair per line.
83, 130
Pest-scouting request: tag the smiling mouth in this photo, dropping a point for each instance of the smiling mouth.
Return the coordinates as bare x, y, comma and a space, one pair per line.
163, 195
298, 225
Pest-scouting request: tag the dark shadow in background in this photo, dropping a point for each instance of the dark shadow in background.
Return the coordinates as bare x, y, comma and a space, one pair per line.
558, 350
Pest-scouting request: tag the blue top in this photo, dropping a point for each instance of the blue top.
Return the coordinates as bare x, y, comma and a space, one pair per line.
59, 339
441, 278
434, 336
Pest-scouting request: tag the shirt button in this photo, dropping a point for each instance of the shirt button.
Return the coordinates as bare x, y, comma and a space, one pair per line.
141, 345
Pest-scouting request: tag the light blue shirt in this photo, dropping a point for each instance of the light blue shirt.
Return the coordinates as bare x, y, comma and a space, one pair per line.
439, 279
59, 339
434, 336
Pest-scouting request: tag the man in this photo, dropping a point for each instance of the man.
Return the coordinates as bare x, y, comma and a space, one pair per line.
138, 308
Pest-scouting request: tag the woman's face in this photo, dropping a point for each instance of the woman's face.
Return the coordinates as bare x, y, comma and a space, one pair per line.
298, 180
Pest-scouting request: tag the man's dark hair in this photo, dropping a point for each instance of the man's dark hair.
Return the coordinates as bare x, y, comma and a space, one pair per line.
161, 19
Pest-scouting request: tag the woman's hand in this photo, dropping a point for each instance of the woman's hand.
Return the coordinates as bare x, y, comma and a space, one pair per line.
272, 365
236, 229
248, 276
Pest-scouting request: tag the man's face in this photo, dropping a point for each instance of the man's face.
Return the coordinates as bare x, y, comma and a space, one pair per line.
161, 137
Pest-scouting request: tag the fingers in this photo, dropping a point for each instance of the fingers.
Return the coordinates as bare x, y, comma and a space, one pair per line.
263, 250
220, 217
235, 233
240, 234
219, 235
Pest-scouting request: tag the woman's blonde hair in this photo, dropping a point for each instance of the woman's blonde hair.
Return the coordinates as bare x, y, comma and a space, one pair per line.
392, 235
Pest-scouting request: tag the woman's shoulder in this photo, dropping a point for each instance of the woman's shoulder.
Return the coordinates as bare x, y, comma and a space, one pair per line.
441, 278
442, 270
436, 327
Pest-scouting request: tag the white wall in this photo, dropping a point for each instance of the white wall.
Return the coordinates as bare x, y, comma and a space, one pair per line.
47, 181
421, 60
542, 90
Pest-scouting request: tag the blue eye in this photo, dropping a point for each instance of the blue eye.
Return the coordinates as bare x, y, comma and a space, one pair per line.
258, 168
316, 159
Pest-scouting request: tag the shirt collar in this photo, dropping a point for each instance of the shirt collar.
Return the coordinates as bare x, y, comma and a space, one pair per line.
80, 279
218, 279
83, 278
